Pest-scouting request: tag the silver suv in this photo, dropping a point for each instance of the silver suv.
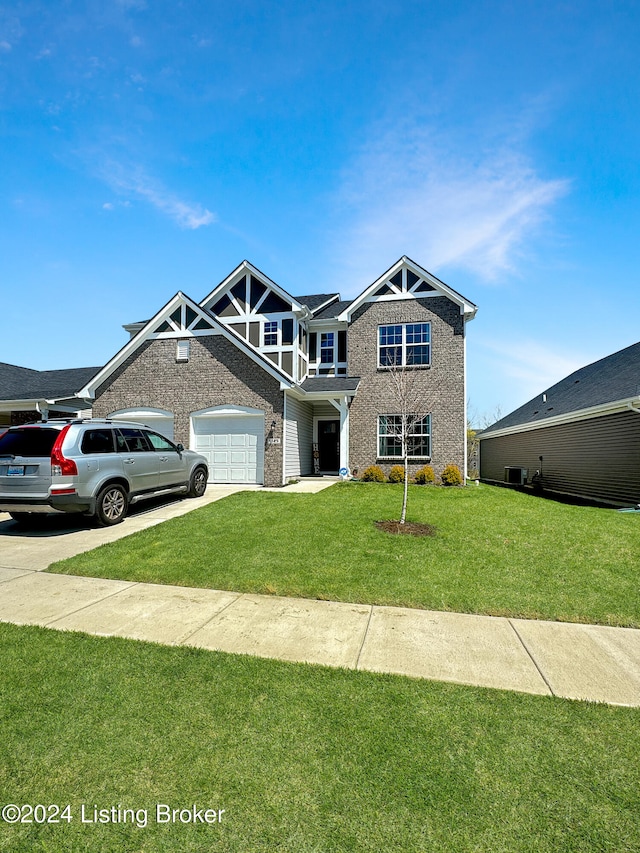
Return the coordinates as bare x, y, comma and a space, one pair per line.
91, 466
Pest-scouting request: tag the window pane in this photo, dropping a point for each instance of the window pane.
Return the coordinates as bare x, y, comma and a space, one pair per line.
159, 442
390, 356
418, 354
131, 441
417, 333
390, 446
97, 441
271, 334
28, 442
326, 348
390, 335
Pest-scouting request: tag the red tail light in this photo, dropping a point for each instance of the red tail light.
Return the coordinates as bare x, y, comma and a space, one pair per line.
60, 465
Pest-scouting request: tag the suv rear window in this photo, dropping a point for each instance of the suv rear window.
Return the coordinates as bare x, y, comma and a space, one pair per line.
29, 441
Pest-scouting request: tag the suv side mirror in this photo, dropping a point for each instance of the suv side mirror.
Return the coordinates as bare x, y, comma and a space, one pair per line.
180, 447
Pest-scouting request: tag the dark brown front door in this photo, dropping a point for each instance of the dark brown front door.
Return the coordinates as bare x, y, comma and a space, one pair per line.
329, 445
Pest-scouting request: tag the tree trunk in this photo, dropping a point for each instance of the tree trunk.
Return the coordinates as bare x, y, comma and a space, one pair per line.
403, 514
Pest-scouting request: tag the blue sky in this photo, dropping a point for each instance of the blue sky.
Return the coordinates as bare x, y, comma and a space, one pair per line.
148, 147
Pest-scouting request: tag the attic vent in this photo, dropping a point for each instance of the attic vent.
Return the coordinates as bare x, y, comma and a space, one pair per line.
182, 350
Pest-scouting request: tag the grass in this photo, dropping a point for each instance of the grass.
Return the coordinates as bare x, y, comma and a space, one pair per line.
301, 758
495, 551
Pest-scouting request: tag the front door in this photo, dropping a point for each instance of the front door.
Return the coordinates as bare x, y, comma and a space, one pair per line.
329, 445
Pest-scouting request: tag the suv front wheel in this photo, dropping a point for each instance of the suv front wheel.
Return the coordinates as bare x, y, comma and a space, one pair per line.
111, 505
198, 483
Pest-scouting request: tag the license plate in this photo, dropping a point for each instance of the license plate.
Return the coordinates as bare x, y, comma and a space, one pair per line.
15, 471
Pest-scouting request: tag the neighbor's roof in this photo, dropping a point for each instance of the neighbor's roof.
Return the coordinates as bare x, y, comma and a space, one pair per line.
22, 383
611, 379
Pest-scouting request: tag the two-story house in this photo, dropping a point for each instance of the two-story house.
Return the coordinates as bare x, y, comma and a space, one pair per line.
270, 386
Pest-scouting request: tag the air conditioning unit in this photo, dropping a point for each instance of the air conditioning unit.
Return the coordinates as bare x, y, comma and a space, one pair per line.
515, 476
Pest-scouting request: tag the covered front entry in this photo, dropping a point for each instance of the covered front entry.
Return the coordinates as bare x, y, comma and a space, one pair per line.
232, 440
329, 445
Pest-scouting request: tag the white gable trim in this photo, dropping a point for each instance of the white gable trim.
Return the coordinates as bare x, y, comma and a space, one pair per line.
179, 330
242, 269
468, 309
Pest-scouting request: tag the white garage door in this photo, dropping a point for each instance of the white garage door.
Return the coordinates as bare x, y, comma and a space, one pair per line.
157, 419
233, 446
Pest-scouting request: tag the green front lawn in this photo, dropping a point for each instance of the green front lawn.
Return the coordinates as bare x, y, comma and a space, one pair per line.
300, 758
496, 551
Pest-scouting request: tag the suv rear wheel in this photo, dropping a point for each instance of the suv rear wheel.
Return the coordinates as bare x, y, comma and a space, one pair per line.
111, 505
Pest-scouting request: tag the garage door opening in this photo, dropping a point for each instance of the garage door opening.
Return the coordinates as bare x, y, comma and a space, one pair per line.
159, 420
232, 440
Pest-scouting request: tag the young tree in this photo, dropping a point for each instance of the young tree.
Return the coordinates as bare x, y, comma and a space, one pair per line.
409, 429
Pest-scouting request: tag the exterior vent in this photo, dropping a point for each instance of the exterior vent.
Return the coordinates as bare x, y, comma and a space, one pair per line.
515, 476
182, 350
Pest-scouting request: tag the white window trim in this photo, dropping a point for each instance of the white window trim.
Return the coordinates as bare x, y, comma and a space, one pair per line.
277, 333
331, 348
401, 456
403, 345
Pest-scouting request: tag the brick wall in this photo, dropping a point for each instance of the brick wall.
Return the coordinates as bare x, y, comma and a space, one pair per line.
217, 373
441, 385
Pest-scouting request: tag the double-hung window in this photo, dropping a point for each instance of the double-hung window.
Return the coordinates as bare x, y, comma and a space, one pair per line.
327, 348
404, 345
393, 435
271, 334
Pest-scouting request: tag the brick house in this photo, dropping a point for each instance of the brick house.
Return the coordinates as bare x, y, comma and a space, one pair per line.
270, 386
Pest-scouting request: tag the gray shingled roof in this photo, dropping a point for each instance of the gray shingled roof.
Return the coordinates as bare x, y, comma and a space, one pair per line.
616, 377
22, 383
333, 310
331, 384
314, 301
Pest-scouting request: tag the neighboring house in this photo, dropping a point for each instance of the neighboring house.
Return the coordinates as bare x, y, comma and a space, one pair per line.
270, 386
580, 437
33, 395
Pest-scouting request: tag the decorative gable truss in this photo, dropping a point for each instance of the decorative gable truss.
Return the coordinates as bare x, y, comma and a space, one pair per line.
407, 280
182, 319
264, 315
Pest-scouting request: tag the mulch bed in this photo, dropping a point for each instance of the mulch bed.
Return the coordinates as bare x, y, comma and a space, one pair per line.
409, 528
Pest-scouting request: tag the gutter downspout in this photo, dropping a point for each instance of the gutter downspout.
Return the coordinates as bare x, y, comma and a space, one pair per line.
633, 408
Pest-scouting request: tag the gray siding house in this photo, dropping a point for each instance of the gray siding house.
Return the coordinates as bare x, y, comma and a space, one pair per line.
270, 386
581, 437
28, 395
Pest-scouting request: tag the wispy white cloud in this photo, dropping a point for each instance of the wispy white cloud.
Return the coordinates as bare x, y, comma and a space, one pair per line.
530, 365
133, 181
414, 192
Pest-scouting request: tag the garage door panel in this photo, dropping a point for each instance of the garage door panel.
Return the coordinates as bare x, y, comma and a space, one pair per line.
233, 446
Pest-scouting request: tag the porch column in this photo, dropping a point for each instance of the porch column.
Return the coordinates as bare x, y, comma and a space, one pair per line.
342, 405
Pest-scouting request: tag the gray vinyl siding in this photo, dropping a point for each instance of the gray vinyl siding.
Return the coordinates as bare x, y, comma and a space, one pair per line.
326, 411
298, 428
596, 458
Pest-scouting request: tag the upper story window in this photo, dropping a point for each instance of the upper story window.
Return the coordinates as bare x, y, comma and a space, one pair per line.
404, 345
327, 348
271, 334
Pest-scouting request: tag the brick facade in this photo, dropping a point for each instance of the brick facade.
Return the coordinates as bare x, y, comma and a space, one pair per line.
217, 373
442, 384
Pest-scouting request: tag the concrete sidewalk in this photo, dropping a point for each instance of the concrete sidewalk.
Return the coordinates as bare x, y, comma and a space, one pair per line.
546, 658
